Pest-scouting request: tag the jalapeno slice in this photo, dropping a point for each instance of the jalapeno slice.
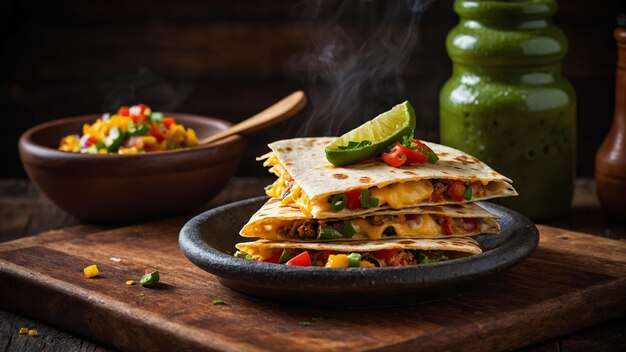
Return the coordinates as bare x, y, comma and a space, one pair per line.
339, 201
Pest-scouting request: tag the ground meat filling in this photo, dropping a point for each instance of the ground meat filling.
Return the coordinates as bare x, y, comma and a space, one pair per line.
440, 189
402, 258
378, 220
458, 226
308, 229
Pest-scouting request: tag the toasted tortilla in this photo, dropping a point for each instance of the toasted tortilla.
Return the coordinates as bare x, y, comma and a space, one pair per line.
462, 246
267, 222
305, 161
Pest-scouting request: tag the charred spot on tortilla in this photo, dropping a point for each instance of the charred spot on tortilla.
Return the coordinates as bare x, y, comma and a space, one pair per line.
288, 149
288, 164
406, 242
365, 179
409, 172
340, 176
464, 159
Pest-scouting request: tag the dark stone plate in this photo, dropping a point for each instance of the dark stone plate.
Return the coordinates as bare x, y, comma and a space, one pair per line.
208, 240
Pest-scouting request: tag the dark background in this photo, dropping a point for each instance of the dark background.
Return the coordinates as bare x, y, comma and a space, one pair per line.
230, 59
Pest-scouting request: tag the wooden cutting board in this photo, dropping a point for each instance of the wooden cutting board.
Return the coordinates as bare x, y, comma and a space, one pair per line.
570, 282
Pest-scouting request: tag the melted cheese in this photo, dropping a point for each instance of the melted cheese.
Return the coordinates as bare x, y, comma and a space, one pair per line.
296, 195
423, 225
399, 195
268, 229
396, 195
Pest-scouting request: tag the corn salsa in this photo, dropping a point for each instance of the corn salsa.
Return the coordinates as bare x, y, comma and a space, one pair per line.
132, 130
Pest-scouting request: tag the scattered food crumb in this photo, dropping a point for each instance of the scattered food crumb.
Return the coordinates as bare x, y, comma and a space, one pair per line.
130, 282
91, 271
150, 278
32, 332
23, 330
305, 323
317, 318
218, 302
115, 259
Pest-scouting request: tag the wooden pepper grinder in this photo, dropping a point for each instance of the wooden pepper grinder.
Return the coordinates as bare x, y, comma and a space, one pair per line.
610, 170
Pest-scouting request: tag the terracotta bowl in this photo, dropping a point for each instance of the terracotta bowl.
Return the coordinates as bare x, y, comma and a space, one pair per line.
129, 188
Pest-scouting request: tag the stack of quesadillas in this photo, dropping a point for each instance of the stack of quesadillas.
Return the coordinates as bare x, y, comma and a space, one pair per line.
370, 214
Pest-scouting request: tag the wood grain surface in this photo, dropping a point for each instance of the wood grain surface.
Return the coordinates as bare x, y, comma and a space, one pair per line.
572, 281
24, 210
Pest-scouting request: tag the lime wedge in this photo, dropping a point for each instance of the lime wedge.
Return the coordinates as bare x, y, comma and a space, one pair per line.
373, 137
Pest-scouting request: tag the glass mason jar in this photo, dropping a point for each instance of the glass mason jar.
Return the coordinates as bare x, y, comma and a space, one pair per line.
507, 102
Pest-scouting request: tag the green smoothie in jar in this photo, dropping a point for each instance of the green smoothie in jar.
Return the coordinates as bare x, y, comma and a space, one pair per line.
507, 102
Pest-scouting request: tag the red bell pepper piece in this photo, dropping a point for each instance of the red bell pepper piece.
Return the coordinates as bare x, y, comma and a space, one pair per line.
301, 259
386, 253
354, 199
154, 132
124, 111
168, 121
273, 259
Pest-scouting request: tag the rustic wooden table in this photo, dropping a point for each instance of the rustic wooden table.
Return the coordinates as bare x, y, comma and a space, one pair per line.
25, 211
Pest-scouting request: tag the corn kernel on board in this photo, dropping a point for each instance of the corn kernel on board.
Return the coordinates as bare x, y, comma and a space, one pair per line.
571, 281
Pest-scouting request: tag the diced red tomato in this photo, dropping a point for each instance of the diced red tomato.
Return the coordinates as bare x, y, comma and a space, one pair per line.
415, 157
394, 156
168, 121
139, 110
273, 259
301, 259
124, 111
154, 132
90, 141
399, 154
386, 253
354, 199
446, 225
456, 191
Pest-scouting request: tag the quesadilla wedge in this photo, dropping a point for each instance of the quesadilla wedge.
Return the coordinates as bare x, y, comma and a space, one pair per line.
321, 190
277, 221
364, 254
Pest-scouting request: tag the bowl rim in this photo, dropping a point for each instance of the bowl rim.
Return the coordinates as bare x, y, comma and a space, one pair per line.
36, 154
26, 138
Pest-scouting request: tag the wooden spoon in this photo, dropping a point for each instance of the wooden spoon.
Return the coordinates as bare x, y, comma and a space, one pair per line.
282, 110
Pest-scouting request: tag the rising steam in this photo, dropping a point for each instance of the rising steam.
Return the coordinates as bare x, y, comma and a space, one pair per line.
359, 51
